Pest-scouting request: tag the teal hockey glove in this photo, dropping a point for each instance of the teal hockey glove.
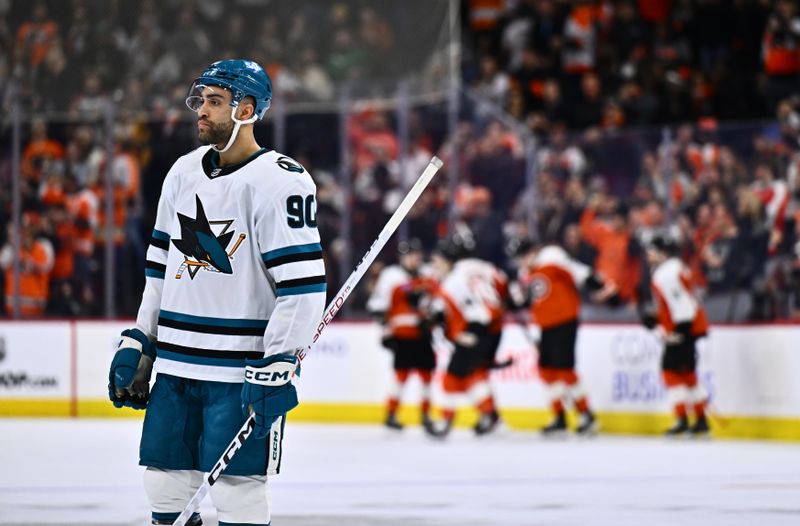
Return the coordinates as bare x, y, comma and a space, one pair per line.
268, 391
129, 378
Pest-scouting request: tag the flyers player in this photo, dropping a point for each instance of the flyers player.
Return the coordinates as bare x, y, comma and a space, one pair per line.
550, 284
471, 303
680, 321
399, 302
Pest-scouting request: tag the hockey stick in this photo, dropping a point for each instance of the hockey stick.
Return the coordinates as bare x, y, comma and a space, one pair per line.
330, 312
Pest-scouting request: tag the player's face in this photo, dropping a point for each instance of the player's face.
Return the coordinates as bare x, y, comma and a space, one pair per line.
411, 261
214, 123
654, 257
441, 266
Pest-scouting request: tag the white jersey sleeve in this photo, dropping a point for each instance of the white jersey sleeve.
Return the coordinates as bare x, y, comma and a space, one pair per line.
288, 239
157, 252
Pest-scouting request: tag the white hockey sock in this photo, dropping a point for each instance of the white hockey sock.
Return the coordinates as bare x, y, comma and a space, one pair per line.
677, 395
556, 391
242, 500
169, 490
479, 391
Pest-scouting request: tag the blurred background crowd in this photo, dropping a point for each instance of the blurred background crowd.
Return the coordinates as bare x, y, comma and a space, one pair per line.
592, 124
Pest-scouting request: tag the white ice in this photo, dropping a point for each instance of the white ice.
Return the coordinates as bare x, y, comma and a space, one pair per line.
84, 472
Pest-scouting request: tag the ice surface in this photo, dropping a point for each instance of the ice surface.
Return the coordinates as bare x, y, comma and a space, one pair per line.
85, 472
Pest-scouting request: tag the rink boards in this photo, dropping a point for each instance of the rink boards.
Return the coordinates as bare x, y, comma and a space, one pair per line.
752, 373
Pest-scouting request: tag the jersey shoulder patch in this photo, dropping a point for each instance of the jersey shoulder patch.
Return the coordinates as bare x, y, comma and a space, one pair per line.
289, 164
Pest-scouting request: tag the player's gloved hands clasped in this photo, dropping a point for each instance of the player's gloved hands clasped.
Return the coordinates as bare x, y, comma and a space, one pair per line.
268, 391
129, 378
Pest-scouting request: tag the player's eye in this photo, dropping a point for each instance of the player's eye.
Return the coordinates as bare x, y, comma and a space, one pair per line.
194, 102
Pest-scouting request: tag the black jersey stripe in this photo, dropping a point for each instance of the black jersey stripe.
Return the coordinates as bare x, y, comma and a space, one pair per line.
160, 267
210, 353
299, 282
294, 258
159, 239
159, 243
210, 329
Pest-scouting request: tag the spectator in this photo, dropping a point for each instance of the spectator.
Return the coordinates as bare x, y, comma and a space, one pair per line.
617, 253
588, 109
39, 151
781, 52
371, 138
34, 37
492, 83
35, 263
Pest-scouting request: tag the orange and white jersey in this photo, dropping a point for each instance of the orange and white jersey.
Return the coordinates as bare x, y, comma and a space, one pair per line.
671, 285
389, 278
554, 282
474, 292
397, 295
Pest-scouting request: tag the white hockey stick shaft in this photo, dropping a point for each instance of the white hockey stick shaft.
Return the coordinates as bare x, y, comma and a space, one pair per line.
330, 312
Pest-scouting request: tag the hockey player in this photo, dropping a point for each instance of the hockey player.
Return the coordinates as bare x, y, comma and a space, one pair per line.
681, 321
235, 288
398, 301
472, 301
550, 284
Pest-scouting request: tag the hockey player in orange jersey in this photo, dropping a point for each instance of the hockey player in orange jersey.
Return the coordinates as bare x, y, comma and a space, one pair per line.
550, 284
471, 302
681, 321
399, 301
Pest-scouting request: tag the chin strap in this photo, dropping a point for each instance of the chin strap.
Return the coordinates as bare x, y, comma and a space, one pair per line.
235, 131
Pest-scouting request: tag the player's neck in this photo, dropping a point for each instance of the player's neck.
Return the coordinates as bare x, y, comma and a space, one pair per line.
242, 148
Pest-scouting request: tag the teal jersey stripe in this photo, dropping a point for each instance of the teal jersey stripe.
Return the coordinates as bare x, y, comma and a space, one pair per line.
153, 273
295, 249
302, 289
200, 360
215, 322
161, 236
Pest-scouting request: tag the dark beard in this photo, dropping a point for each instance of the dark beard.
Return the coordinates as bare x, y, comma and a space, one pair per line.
216, 133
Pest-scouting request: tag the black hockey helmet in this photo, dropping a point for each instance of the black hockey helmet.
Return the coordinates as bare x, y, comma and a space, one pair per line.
519, 246
664, 243
409, 245
458, 246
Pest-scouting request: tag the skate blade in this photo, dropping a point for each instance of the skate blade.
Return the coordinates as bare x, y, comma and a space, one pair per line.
589, 432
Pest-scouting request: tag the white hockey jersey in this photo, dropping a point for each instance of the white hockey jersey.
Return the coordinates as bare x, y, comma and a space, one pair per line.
473, 292
673, 294
234, 268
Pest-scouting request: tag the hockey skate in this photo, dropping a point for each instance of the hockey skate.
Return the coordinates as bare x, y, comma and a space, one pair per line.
194, 520
558, 427
392, 422
438, 429
700, 428
680, 427
427, 423
587, 425
487, 423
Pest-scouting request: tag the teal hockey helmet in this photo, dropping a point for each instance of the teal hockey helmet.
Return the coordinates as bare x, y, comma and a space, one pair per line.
243, 78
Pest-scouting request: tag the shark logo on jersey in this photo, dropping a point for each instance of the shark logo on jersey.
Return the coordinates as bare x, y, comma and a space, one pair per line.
202, 247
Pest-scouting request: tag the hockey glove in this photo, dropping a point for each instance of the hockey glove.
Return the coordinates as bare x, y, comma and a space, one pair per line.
390, 343
268, 391
129, 378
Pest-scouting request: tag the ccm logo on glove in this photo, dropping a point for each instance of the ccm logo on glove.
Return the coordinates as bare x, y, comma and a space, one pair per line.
275, 374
